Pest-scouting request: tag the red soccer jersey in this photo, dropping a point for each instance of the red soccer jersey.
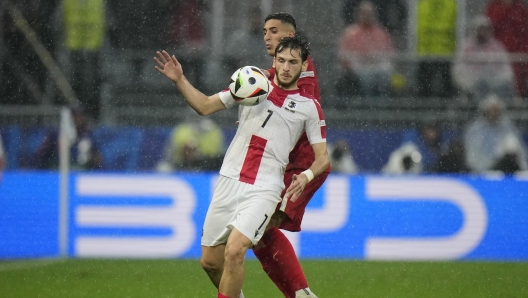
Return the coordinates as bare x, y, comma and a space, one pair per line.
302, 155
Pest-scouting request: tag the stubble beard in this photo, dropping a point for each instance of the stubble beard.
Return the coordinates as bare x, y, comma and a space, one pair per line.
285, 85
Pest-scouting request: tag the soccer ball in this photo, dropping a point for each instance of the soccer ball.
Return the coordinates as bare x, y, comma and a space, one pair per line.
249, 86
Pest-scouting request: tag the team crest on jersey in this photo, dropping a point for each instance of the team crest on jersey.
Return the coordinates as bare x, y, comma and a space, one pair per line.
307, 74
291, 106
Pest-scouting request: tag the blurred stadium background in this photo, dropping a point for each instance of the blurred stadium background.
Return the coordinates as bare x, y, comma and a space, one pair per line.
123, 229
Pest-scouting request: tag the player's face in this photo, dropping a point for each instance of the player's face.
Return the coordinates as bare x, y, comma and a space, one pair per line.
288, 68
274, 31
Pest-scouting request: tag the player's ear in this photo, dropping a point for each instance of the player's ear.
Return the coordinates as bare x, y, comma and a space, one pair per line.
304, 66
291, 33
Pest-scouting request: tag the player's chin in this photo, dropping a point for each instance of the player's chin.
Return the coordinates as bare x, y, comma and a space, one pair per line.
285, 83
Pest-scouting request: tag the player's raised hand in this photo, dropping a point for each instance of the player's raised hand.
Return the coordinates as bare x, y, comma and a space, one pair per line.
296, 187
169, 66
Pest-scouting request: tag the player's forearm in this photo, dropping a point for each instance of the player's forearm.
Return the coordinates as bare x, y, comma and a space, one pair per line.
196, 99
320, 164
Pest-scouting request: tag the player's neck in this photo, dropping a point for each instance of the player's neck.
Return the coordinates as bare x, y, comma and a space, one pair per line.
289, 87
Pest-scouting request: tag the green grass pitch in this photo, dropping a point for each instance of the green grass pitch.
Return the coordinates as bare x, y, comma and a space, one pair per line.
328, 279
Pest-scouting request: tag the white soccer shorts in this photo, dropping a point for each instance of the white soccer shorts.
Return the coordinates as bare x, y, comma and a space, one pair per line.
235, 204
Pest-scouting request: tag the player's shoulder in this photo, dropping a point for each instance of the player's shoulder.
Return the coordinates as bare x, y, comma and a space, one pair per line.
305, 96
310, 60
310, 70
311, 64
306, 99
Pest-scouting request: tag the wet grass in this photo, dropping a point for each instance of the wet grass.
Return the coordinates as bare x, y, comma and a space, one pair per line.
185, 278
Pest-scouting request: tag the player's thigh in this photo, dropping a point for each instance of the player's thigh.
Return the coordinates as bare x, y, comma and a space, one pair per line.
255, 212
277, 219
237, 245
221, 212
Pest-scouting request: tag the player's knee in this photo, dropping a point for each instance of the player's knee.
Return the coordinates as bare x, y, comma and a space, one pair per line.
210, 265
235, 252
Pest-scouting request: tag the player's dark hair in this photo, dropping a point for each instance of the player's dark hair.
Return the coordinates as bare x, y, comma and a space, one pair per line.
295, 43
283, 17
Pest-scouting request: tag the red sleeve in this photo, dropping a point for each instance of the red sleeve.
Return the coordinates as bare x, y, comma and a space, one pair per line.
272, 73
309, 83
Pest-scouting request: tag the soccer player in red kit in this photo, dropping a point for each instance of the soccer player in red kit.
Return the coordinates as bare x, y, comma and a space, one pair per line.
251, 176
274, 250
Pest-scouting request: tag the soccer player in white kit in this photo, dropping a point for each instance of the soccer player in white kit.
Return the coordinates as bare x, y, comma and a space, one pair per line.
251, 176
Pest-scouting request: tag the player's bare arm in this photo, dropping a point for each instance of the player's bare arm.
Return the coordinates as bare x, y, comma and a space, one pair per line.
170, 67
319, 165
266, 72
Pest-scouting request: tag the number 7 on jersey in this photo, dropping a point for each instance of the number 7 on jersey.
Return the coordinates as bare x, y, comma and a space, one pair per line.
267, 118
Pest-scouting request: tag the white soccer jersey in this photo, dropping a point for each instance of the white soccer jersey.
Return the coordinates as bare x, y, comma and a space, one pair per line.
267, 133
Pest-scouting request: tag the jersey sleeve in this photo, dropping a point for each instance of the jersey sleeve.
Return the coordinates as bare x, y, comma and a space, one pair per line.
226, 98
316, 125
272, 73
308, 80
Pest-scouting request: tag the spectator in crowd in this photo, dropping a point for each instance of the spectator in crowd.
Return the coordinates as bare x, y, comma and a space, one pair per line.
244, 45
436, 36
492, 142
194, 145
84, 30
453, 158
419, 151
429, 141
510, 25
392, 14
404, 160
364, 52
341, 159
482, 66
84, 151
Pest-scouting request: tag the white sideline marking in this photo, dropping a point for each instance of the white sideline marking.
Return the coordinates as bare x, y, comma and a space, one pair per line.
27, 264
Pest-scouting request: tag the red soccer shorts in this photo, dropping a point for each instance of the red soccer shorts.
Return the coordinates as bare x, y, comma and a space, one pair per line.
295, 210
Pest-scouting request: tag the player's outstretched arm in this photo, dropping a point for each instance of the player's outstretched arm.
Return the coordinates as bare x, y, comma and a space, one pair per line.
172, 69
320, 164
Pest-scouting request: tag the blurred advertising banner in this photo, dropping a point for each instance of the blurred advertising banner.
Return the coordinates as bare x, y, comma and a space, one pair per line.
351, 217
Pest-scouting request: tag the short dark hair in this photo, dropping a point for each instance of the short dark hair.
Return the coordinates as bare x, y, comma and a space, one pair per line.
297, 42
283, 17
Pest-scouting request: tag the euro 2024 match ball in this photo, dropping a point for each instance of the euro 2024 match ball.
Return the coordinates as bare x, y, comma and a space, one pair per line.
249, 86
